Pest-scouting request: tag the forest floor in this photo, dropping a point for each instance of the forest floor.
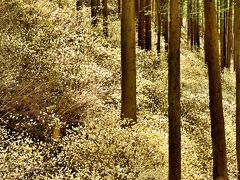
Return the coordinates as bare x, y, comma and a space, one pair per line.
59, 71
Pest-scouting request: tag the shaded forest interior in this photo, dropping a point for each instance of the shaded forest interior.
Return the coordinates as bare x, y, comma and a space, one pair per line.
117, 89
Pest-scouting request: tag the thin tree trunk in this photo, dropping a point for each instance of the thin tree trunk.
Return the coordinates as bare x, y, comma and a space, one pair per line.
153, 13
229, 34
156, 14
189, 19
128, 62
203, 28
192, 25
94, 8
148, 36
141, 25
215, 92
105, 18
223, 33
165, 23
159, 20
174, 91
196, 25
136, 8
237, 65
218, 5
119, 7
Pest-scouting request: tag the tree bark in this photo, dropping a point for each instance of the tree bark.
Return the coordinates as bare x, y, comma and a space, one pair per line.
136, 8
174, 91
154, 12
159, 24
141, 25
215, 91
196, 25
229, 34
105, 18
223, 32
165, 23
148, 36
128, 62
119, 7
237, 66
191, 24
189, 19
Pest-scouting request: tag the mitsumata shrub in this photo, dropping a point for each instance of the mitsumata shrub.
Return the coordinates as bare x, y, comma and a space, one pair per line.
57, 70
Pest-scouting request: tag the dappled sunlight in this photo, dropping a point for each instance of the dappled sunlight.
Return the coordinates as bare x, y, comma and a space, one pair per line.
58, 71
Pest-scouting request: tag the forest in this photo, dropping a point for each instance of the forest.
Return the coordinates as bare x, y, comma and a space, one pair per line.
120, 89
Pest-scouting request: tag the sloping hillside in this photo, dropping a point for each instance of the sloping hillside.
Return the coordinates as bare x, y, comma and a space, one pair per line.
58, 70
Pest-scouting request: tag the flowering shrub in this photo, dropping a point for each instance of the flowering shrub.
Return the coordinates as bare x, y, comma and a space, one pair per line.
58, 71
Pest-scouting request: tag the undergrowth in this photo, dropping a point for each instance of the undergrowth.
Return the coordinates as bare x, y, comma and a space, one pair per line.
57, 69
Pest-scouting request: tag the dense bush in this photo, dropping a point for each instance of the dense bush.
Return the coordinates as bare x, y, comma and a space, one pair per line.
58, 70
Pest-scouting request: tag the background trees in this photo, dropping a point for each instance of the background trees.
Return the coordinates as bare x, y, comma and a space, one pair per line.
162, 26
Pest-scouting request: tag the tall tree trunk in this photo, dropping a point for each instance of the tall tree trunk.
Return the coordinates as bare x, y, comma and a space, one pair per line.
229, 34
165, 23
218, 4
105, 18
237, 62
153, 12
174, 91
189, 22
223, 32
148, 36
196, 25
215, 91
128, 62
192, 25
94, 8
119, 7
141, 25
136, 8
159, 20
202, 28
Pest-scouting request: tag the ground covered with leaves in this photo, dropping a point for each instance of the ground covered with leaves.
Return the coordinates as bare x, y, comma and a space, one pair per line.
56, 70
